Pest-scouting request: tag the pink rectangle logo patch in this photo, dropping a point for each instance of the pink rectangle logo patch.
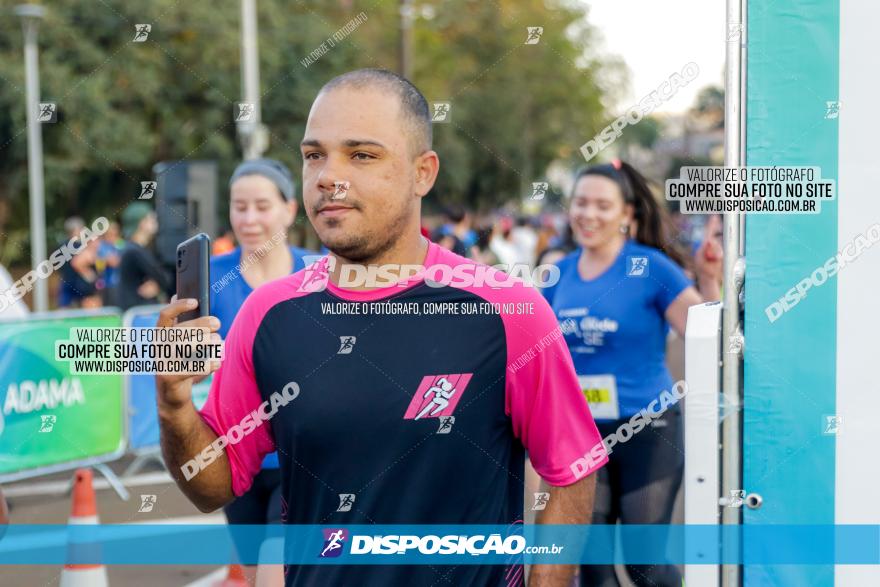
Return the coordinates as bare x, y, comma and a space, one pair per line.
437, 396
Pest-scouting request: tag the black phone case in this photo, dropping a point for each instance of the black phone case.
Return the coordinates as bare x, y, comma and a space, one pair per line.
193, 274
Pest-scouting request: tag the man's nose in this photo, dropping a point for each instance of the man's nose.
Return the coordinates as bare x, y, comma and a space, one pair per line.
330, 174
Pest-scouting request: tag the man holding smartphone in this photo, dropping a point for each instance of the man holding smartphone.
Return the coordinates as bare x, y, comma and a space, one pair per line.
381, 414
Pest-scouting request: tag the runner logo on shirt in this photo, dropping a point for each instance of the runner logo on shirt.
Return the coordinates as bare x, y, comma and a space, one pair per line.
334, 538
437, 396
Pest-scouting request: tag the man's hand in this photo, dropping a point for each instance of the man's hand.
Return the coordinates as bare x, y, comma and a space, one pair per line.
183, 432
175, 389
572, 504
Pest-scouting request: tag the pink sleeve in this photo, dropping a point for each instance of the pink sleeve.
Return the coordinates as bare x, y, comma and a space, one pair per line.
544, 400
234, 395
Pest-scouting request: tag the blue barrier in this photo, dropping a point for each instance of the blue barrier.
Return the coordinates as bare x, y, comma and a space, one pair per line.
143, 421
145, 544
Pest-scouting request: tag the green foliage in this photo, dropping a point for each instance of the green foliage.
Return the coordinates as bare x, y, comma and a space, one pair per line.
709, 106
643, 134
124, 106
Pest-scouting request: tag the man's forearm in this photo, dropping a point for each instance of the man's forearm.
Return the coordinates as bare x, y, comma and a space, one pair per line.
183, 436
572, 504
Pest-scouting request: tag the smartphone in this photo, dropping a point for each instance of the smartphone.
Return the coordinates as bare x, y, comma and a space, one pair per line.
193, 274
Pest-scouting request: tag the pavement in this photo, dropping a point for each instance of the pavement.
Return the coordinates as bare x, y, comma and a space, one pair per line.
46, 500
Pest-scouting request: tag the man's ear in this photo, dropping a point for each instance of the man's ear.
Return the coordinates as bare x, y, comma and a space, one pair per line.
427, 167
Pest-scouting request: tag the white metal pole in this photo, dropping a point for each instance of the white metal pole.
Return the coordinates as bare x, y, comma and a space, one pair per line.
407, 15
30, 15
731, 427
253, 140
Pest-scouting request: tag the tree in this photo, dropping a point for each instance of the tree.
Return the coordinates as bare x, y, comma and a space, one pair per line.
644, 134
709, 106
124, 106
515, 107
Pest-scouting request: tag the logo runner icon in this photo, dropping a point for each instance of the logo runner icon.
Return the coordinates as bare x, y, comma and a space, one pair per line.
638, 266
446, 423
147, 503
317, 274
47, 112
346, 345
333, 541
539, 189
245, 112
141, 32
541, 499
148, 189
437, 396
534, 34
441, 112
47, 423
340, 190
346, 500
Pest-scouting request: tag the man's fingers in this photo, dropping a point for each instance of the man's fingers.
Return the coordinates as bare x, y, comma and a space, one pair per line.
210, 322
173, 310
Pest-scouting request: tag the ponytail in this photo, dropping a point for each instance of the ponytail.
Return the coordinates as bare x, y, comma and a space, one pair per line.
653, 224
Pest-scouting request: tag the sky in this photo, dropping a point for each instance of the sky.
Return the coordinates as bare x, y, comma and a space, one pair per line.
656, 38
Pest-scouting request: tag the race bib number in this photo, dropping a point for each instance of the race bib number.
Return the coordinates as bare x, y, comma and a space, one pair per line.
601, 394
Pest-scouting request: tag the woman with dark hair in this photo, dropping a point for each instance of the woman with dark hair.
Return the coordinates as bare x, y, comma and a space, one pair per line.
617, 295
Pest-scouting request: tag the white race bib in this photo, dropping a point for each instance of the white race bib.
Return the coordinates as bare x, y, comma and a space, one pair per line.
601, 394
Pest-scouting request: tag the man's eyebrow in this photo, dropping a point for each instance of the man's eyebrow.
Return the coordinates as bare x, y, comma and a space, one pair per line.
350, 143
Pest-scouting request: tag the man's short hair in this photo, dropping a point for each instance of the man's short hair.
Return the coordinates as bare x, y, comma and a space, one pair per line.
414, 106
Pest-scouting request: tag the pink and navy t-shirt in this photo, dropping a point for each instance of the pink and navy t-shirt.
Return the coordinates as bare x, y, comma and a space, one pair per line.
417, 403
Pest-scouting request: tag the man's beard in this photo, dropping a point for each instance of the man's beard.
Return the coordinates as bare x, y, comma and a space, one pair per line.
363, 248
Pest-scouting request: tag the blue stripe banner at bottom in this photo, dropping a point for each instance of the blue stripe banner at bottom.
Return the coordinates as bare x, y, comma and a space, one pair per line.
169, 544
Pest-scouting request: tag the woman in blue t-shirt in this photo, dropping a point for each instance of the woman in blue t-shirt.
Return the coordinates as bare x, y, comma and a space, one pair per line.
616, 298
262, 208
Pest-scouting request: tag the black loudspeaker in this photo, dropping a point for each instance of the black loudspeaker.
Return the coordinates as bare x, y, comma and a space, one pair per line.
186, 204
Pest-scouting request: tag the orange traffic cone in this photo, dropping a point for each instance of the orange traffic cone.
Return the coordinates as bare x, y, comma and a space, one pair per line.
83, 511
234, 577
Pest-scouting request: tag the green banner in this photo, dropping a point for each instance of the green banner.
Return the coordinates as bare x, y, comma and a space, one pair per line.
49, 419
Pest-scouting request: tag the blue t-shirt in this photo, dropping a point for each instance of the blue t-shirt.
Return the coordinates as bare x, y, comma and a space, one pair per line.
106, 250
228, 292
615, 324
